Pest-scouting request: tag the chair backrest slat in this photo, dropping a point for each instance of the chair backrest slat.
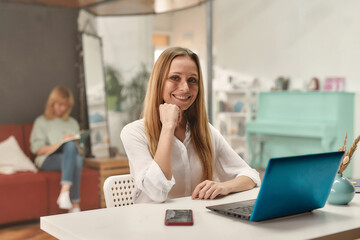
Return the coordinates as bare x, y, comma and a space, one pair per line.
119, 190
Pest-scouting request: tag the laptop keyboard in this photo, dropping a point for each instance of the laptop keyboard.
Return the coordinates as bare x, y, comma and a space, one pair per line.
242, 210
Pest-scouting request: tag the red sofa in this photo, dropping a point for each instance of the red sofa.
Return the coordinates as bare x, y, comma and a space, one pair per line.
27, 195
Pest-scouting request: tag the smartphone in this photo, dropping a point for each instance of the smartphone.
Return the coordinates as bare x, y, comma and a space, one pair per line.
179, 217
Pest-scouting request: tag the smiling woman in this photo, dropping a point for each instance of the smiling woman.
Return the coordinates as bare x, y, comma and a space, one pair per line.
174, 151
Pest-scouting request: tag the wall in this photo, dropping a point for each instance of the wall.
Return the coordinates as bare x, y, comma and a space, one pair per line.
126, 42
37, 52
188, 29
295, 38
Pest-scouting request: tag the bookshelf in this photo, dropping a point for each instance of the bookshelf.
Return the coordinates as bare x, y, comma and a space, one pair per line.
233, 108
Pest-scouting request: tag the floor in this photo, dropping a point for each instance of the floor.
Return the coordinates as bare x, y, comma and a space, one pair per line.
24, 231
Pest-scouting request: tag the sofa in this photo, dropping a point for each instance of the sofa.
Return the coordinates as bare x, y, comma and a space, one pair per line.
28, 195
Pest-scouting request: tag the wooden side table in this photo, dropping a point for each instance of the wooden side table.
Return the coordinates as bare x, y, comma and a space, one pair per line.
107, 167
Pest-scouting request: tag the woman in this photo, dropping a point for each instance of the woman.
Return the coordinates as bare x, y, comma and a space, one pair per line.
49, 133
173, 151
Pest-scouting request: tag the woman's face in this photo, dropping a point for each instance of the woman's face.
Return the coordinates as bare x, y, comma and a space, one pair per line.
181, 86
60, 107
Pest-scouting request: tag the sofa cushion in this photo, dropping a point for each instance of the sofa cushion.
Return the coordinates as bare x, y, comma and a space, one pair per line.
89, 190
27, 132
23, 197
13, 129
12, 158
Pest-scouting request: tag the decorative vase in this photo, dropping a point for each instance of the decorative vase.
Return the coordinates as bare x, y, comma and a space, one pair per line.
342, 191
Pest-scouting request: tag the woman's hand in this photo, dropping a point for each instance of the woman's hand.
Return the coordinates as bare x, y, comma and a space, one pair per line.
46, 150
67, 136
210, 190
170, 115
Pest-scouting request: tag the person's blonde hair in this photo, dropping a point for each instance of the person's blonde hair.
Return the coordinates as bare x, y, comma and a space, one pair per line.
195, 115
59, 94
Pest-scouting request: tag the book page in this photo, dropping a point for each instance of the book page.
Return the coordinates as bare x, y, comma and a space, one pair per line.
79, 138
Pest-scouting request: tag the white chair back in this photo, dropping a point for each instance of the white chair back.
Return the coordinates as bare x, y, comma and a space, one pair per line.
118, 190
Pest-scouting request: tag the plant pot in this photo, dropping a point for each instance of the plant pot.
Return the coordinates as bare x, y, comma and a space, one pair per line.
342, 191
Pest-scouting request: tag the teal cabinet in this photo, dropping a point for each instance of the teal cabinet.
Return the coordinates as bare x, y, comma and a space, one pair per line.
297, 123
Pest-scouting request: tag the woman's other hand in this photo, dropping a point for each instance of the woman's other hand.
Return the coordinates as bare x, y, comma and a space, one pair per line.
46, 150
170, 115
210, 190
67, 137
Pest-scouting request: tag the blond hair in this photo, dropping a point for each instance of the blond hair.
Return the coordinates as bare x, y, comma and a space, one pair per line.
195, 115
59, 94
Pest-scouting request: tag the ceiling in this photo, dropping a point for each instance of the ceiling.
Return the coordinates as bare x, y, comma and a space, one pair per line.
118, 7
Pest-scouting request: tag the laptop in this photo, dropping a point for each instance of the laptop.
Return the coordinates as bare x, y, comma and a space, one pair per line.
291, 185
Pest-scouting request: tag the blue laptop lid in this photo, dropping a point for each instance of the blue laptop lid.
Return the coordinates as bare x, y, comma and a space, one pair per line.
296, 184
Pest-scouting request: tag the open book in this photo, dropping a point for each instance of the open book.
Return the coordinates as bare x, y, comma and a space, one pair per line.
79, 138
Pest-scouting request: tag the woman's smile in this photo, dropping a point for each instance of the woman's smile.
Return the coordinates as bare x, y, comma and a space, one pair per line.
181, 97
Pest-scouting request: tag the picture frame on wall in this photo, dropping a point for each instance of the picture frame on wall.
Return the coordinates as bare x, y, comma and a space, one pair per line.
334, 84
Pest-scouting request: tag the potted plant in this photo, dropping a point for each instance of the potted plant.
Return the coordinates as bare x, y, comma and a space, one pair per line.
343, 191
135, 92
114, 88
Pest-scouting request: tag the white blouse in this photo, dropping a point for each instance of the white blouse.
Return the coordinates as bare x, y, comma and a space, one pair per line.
151, 183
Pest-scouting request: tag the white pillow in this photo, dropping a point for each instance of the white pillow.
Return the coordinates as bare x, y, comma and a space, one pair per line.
13, 159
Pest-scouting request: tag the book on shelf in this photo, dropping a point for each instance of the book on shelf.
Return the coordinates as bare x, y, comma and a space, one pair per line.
356, 183
78, 138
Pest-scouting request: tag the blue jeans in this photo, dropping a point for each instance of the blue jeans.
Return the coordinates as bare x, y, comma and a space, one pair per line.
69, 162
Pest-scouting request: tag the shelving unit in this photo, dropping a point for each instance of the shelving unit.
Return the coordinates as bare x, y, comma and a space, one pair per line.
233, 108
99, 128
107, 167
98, 124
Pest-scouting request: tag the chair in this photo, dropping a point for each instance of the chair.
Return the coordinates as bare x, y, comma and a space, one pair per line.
118, 190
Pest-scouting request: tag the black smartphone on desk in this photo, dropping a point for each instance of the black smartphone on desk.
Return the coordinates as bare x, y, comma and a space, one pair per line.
179, 217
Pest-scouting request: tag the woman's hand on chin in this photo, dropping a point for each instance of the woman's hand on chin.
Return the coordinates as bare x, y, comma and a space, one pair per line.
170, 115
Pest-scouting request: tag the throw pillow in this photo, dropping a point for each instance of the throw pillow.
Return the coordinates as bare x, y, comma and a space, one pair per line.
12, 158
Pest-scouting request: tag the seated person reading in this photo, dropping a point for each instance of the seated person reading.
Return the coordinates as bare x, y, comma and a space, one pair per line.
49, 133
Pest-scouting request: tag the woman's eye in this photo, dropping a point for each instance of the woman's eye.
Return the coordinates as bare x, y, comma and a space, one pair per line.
174, 78
192, 80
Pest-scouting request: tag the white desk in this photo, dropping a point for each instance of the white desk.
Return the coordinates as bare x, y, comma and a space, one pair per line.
146, 221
